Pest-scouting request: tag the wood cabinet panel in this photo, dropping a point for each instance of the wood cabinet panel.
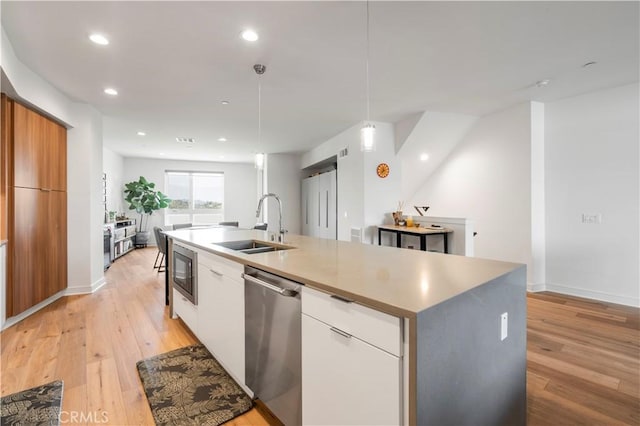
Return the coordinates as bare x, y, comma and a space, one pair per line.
39, 236
40, 151
54, 231
28, 131
28, 273
34, 176
6, 166
55, 163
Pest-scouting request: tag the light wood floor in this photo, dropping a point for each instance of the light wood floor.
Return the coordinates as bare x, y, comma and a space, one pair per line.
583, 356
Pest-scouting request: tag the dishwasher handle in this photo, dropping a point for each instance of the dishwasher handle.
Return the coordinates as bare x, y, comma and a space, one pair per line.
281, 291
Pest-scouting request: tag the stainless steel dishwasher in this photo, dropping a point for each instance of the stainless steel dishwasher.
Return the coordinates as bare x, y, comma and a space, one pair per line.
273, 357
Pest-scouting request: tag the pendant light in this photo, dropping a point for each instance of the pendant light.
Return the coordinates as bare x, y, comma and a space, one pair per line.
259, 158
367, 133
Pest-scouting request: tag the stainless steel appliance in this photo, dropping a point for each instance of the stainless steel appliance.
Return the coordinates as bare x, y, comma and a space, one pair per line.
273, 356
185, 272
106, 236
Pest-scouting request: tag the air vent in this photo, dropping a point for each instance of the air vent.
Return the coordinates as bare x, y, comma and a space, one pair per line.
343, 153
187, 141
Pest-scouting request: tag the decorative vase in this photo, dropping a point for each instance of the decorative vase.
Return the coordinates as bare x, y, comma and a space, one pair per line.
397, 217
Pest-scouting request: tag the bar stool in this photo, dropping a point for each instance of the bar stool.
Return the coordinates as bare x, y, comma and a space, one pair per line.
161, 241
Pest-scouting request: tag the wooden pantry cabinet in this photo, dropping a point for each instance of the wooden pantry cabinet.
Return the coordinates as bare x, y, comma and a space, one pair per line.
34, 205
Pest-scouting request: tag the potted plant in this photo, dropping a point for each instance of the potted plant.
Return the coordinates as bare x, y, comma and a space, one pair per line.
144, 199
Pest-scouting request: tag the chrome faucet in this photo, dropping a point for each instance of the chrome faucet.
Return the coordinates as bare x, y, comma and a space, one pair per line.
259, 209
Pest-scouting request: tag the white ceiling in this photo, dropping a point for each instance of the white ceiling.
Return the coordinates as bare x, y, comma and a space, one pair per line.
174, 62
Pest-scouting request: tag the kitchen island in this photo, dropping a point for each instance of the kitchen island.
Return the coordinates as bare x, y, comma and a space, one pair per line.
456, 368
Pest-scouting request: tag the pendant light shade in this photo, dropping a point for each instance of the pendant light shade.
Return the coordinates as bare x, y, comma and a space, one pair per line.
259, 161
259, 157
367, 133
367, 140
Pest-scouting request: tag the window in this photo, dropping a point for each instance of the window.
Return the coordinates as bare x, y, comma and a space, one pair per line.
196, 197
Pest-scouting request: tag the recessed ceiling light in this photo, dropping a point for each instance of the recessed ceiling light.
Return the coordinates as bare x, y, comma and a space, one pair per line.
142, 134
249, 35
222, 139
543, 83
424, 157
99, 39
222, 157
161, 153
225, 102
110, 91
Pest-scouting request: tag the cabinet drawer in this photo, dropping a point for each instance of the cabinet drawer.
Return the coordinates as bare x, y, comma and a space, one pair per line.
187, 311
375, 327
221, 266
359, 382
119, 234
130, 231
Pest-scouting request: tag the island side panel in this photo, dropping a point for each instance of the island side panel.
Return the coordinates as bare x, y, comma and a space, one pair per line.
465, 374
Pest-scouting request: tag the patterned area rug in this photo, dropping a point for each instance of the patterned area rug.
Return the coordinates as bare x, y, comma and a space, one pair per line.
188, 387
36, 406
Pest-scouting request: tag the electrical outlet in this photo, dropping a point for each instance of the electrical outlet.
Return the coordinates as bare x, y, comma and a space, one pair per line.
504, 324
592, 218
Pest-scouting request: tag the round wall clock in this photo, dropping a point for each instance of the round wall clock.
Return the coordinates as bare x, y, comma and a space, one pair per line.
382, 170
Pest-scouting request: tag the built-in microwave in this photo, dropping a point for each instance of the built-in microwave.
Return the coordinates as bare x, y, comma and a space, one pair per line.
185, 272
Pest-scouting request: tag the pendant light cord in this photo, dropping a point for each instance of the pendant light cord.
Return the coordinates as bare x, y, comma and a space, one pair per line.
259, 112
259, 69
367, 63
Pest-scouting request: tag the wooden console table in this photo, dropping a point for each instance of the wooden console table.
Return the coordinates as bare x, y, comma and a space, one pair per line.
412, 230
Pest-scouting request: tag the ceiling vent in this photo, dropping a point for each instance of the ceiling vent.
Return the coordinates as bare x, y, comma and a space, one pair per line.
186, 141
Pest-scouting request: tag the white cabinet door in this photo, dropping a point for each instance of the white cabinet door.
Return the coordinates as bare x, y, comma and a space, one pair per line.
319, 206
311, 206
304, 199
328, 211
346, 381
186, 310
221, 318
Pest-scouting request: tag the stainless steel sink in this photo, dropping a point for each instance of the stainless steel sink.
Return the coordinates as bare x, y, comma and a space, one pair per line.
253, 246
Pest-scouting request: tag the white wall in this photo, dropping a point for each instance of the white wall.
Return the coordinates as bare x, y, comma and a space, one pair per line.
364, 199
487, 178
538, 209
433, 133
591, 155
85, 211
284, 179
240, 191
113, 167
381, 195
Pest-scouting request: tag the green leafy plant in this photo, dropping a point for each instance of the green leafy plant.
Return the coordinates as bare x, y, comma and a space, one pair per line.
144, 199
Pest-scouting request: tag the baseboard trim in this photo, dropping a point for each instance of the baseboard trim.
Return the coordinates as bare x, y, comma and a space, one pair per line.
533, 288
71, 291
22, 315
66, 292
597, 295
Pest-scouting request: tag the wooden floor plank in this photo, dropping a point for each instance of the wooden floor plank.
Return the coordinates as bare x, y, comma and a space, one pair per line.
106, 394
582, 354
589, 346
